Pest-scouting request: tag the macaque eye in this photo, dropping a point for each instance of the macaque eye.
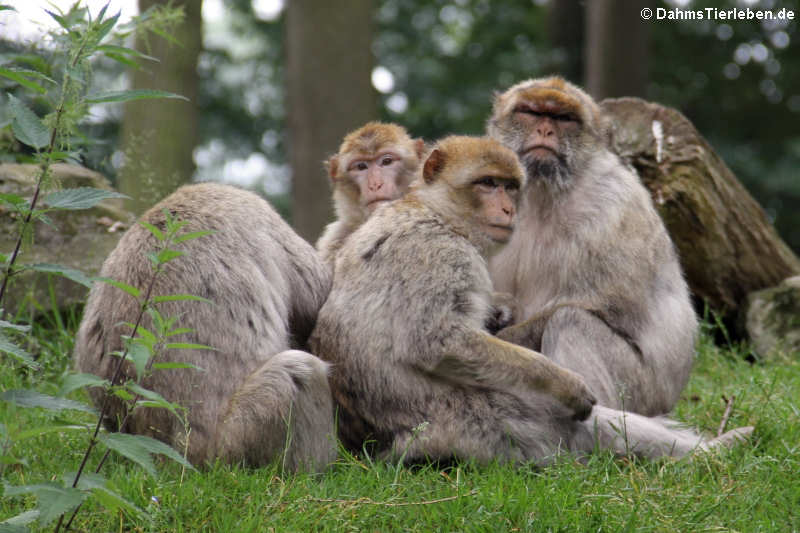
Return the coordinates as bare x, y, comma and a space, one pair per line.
386, 161
527, 110
566, 117
511, 185
486, 181
359, 165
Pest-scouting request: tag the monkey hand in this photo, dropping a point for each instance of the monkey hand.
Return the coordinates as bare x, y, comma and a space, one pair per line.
502, 312
575, 394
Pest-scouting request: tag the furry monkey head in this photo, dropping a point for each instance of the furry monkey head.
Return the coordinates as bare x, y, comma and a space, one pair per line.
553, 126
474, 184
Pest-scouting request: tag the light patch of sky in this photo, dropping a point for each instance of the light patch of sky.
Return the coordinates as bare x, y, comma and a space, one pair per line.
29, 19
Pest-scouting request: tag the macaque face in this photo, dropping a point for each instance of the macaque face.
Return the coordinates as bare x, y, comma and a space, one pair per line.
549, 127
377, 178
497, 201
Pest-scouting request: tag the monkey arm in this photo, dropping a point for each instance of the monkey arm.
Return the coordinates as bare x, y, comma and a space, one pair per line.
528, 333
475, 358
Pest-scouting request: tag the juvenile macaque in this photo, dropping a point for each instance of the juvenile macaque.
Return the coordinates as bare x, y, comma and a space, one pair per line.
413, 370
258, 397
374, 165
591, 265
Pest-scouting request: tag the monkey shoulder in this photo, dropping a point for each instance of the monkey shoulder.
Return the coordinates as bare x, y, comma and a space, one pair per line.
418, 258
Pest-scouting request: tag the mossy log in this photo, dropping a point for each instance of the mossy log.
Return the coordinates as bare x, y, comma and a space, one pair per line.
727, 246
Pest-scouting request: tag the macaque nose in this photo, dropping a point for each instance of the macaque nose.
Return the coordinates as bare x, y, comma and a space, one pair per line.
374, 181
545, 128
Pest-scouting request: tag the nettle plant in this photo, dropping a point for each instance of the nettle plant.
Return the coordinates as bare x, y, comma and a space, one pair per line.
63, 81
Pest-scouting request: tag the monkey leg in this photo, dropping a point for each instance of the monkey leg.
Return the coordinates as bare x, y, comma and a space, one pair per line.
283, 410
484, 426
614, 371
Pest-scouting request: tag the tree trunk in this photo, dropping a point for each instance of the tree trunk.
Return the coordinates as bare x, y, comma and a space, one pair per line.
328, 70
565, 31
727, 246
616, 48
159, 136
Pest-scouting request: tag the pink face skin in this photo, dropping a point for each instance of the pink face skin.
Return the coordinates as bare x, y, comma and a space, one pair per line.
497, 197
548, 123
377, 178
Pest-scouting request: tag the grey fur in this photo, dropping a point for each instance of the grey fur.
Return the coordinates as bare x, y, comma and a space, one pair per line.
415, 374
258, 391
593, 265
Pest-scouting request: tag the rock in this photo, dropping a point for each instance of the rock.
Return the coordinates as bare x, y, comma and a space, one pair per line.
77, 239
772, 319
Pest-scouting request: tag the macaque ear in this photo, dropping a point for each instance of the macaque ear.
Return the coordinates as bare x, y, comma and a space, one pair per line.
332, 165
419, 146
433, 165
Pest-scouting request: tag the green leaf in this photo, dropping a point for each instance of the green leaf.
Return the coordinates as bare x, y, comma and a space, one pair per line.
70, 273
52, 500
61, 20
146, 335
27, 127
76, 381
179, 331
189, 346
17, 524
80, 198
138, 448
44, 430
152, 229
139, 354
133, 94
13, 200
22, 80
15, 327
106, 26
172, 366
193, 235
101, 490
30, 398
133, 291
155, 399
180, 298
7, 346
165, 256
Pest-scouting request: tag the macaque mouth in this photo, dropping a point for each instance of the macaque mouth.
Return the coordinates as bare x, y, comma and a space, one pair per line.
530, 149
503, 229
375, 202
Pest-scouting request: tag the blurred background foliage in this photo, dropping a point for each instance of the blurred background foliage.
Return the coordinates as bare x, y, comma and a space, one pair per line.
437, 63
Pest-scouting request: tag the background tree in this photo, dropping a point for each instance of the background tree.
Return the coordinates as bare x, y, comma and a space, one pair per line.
158, 137
616, 54
328, 67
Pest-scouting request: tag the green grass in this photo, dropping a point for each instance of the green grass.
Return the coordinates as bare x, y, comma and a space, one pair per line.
754, 487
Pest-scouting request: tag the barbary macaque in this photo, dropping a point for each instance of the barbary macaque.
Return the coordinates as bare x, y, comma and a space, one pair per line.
597, 280
413, 371
374, 165
258, 396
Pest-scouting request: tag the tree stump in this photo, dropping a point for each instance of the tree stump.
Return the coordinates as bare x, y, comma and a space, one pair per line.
727, 246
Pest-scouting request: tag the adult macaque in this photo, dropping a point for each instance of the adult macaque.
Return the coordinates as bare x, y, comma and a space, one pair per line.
597, 280
374, 165
414, 371
258, 396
